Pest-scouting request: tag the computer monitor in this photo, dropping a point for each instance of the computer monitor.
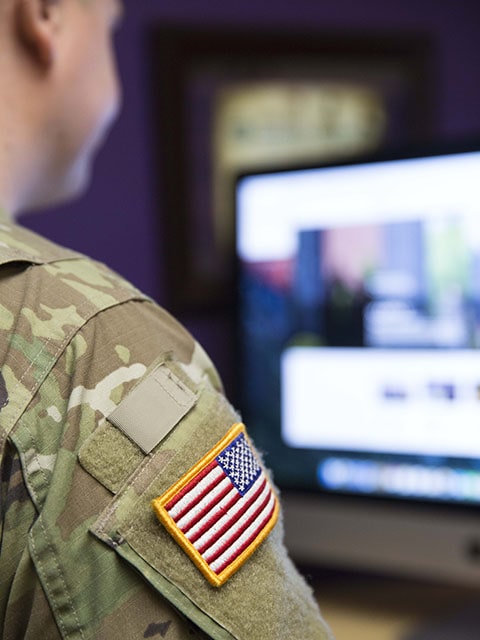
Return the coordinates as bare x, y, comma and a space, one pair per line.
358, 295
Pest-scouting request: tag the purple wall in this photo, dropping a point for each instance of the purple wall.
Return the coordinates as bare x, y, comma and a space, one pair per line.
119, 219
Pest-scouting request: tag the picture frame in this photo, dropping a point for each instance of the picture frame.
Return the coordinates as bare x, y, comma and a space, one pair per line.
203, 78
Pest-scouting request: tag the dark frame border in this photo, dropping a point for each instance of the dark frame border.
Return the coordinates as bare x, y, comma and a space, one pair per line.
175, 52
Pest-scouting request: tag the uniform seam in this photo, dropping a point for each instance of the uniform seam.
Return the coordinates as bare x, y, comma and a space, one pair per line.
55, 355
131, 295
46, 371
34, 390
60, 574
112, 508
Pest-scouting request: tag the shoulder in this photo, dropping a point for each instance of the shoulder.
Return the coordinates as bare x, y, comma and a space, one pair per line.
125, 417
47, 296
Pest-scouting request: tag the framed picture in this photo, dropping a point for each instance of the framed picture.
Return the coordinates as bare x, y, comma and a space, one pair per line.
225, 101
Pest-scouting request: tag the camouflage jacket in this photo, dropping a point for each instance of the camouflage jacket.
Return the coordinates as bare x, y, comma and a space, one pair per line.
107, 404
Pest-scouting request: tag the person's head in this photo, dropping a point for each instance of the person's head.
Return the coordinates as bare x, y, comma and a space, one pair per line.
59, 92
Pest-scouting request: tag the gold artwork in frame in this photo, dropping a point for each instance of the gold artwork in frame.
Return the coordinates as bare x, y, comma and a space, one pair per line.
274, 123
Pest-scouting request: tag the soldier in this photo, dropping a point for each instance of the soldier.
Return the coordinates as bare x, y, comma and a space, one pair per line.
132, 503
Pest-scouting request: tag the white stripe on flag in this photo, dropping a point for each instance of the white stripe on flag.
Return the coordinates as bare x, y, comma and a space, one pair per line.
231, 515
233, 550
205, 504
193, 494
213, 513
237, 527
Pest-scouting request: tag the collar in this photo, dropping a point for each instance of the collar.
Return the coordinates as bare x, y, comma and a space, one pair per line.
19, 244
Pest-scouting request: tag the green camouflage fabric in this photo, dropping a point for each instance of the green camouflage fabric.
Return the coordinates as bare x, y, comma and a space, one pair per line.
82, 555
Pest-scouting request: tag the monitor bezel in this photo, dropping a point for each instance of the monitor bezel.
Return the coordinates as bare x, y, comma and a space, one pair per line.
309, 507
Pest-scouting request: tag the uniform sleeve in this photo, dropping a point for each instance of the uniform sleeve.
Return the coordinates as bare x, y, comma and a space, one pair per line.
107, 565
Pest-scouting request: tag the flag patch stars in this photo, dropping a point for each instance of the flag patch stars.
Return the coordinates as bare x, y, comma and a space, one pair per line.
222, 509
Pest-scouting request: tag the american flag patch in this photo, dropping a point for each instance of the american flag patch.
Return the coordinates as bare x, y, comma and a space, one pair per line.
221, 510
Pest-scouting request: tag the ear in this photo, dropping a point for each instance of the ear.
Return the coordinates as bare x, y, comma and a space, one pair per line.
36, 22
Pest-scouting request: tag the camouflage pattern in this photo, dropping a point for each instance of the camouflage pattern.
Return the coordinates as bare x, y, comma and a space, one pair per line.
81, 552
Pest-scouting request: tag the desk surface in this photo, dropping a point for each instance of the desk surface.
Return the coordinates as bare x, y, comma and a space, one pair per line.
361, 607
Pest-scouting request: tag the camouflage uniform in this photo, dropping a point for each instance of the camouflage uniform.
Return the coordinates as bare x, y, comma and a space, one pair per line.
82, 554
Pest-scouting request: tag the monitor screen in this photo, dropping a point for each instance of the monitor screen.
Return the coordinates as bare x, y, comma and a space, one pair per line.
359, 325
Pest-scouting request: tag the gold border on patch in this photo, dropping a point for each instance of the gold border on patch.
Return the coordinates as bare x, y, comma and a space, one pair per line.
222, 509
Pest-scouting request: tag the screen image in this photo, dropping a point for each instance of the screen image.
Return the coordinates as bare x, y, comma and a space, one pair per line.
359, 325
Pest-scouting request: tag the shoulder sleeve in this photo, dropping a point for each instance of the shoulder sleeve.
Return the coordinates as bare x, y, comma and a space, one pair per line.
107, 535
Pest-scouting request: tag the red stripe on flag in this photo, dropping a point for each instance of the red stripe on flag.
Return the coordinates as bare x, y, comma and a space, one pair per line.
224, 528
191, 485
208, 507
247, 542
210, 522
236, 534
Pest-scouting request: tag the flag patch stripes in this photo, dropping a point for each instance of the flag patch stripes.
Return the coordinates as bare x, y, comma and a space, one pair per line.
221, 510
